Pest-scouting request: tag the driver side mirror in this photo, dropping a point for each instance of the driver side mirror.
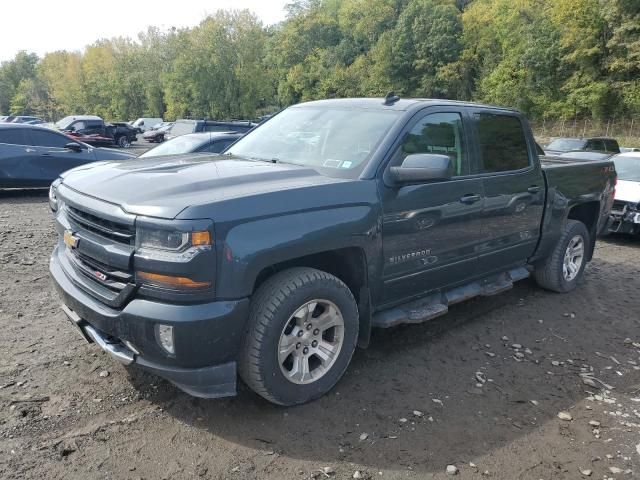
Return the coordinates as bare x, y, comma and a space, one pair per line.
422, 167
74, 147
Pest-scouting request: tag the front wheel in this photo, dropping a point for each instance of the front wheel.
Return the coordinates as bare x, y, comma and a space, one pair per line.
124, 142
302, 333
563, 269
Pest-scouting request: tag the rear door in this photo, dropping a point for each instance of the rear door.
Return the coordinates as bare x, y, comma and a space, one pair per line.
17, 158
514, 189
431, 230
51, 156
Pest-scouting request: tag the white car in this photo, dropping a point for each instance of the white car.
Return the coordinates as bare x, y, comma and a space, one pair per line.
625, 213
145, 123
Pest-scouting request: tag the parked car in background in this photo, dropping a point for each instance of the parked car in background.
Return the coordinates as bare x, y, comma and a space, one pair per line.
157, 133
629, 149
593, 144
145, 123
214, 142
93, 130
26, 119
123, 134
182, 127
7, 118
625, 214
32, 156
277, 258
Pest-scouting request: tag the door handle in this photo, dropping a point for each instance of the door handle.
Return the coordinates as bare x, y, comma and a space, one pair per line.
468, 199
29, 150
533, 189
45, 154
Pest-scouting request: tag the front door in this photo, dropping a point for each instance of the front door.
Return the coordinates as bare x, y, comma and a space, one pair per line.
51, 156
431, 231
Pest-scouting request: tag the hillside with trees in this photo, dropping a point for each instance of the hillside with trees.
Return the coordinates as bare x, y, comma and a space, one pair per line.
552, 59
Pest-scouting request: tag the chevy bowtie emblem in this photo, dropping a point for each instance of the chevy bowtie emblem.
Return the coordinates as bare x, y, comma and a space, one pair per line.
70, 240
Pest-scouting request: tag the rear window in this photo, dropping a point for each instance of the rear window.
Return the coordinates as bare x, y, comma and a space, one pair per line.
182, 128
502, 142
14, 136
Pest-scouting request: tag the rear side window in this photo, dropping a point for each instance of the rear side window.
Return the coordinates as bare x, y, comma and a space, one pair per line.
502, 142
14, 136
612, 146
44, 138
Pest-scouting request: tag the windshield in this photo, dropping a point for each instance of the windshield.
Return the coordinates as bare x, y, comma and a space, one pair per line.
176, 146
566, 144
337, 141
628, 168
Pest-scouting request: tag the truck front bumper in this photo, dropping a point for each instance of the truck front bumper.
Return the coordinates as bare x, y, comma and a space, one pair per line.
207, 337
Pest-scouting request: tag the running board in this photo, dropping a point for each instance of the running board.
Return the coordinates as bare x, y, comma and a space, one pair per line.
437, 304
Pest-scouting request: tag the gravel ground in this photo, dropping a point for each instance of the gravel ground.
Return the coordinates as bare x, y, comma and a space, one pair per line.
455, 391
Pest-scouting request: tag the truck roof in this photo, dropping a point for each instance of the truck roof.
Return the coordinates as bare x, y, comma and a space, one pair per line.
402, 104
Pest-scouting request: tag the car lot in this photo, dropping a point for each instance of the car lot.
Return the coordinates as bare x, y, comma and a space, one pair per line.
408, 406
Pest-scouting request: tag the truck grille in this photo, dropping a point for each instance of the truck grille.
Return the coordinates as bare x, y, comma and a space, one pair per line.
117, 232
102, 259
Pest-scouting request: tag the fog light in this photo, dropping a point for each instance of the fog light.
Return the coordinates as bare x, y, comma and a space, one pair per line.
164, 335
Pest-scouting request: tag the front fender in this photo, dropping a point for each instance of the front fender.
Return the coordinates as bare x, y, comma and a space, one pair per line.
253, 246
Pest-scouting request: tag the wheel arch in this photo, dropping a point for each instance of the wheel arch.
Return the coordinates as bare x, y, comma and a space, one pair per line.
349, 264
587, 213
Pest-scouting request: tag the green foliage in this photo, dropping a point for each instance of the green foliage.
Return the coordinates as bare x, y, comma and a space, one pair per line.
549, 58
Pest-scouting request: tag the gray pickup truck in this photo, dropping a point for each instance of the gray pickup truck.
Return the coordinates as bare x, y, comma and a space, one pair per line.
276, 259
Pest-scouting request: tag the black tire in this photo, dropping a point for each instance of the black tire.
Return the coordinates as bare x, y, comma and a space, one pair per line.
549, 274
123, 142
272, 308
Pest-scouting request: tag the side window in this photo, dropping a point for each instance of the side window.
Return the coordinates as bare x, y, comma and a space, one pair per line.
502, 143
597, 145
14, 136
217, 147
77, 126
612, 146
215, 128
43, 138
439, 133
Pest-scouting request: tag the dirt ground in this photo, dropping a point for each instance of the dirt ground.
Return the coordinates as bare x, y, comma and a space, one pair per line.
454, 391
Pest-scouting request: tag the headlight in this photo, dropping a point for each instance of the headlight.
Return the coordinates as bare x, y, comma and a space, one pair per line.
170, 241
53, 199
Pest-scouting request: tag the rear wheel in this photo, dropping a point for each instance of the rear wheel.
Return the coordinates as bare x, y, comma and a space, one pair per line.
564, 268
302, 332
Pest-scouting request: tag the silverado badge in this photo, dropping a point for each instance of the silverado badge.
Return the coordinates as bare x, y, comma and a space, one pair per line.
70, 240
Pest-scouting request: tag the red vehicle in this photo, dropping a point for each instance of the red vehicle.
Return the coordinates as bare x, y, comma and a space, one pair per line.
94, 131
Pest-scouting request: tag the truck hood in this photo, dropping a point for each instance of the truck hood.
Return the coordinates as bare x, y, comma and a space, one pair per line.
627, 191
164, 187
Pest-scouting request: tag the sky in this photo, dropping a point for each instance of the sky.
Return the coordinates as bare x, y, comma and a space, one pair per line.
43, 26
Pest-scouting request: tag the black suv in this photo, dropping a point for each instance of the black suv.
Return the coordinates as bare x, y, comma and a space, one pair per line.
183, 126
